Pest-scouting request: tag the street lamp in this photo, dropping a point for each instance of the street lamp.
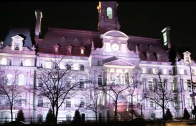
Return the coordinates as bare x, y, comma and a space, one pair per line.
193, 93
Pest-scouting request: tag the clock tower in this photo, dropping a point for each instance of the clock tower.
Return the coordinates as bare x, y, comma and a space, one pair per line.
107, 12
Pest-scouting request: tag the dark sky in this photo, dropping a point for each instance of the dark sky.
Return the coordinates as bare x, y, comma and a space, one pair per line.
145, 19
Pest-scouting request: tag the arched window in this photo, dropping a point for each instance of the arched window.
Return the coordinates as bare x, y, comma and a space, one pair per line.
109, 13
21, 79
9, 79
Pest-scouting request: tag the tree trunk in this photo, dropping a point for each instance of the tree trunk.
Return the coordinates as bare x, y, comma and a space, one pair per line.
56, 115
163, 116
96, 116
53, 114
11, 106
115, 112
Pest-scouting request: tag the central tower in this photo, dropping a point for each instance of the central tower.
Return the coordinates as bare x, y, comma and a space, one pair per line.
107, 17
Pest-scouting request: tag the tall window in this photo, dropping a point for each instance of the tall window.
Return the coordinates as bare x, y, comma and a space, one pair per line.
99, 80
82, 103
3, 61
151, 104
107, 46
21, 79
68, 117
150, 87
81, 67
27, 62
9, 61
68, 103
109, 13
82, 51
19, 100
40, 102
81, 83
68, 83
9, 79
123, 48
68, 67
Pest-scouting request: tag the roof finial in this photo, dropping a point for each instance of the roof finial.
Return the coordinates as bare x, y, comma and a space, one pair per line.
92, 46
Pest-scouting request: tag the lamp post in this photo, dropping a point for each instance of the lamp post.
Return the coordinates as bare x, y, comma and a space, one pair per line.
193, 93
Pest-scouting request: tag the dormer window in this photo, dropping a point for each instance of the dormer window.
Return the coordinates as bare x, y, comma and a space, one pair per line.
69, 49
17, 42
82, 49
187, 58
109, 13
56, 48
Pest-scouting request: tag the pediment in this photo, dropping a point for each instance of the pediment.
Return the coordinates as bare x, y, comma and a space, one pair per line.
115, 33
17, 37
119, 62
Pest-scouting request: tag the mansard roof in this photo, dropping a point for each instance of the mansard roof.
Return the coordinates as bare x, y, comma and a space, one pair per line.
78, 38
22, 32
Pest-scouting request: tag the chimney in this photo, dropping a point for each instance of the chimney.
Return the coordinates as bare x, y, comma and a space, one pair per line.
166, 37
38, 15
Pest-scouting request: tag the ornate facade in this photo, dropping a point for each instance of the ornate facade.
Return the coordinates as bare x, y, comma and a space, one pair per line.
107, 56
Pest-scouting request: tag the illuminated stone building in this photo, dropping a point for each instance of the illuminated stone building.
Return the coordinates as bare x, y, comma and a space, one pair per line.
106, 55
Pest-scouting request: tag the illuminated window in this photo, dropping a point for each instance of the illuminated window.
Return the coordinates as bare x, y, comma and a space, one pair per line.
27, 62
154, 70
109, 13
143, 70
9, 79
165, 38
181, 71
82, 51
48, 65
3, 61
62, 65
21, 79
164, 71
123, 48
187, 58
76, 66
107, 47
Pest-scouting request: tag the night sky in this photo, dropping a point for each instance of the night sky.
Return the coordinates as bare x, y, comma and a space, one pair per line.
145, 19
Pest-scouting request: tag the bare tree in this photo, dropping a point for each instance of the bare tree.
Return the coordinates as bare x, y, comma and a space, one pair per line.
55, 84
132, 92
10, 89
95, 101
115, 92
160, 95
